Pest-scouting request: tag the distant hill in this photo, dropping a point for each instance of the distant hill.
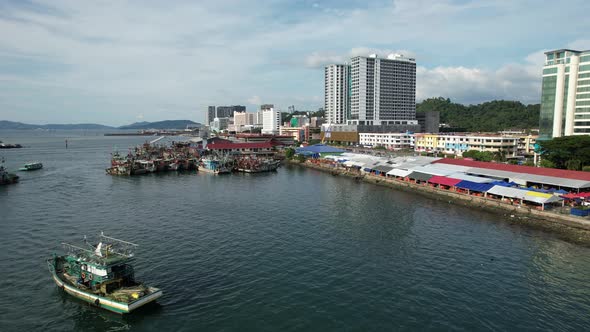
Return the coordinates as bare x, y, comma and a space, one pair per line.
490, 116
20, 125
167, 124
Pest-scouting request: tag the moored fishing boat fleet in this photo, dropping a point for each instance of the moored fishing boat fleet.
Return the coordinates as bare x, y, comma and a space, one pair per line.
216, 157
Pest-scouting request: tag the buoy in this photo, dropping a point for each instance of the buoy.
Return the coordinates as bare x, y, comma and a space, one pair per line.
97, 302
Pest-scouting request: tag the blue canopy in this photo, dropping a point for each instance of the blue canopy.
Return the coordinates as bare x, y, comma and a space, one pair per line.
480, 187
319, 148
504, 184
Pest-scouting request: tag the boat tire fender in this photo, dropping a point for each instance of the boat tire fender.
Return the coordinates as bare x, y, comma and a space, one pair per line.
90, 276
97, 302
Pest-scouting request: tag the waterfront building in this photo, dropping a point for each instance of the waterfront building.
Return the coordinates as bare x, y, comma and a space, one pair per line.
457, 144
248, 137
382, 90
271, 121
428, 121
337, 93
300, 134
262, 148
565, 94
390, 141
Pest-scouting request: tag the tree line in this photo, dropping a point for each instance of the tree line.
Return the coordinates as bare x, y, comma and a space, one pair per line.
490, 116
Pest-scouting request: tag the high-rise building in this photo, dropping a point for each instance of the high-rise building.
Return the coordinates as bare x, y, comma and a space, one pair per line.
228, 111
210, 115
271, 121
337, 93
382, 90
244, 119
565, 94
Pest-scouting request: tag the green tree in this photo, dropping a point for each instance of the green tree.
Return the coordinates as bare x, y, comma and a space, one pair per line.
289, 153
300, 158
569, 152
488, 117
547, 163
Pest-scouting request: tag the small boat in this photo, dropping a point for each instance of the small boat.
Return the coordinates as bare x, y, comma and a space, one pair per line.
31, 166
7, 178
102, 275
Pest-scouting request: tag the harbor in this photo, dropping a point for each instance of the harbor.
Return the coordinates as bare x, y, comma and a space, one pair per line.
215, 155
229, 250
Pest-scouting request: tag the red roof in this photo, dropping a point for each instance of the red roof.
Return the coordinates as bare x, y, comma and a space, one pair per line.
234, 146
558, 173
446, 181
579, 195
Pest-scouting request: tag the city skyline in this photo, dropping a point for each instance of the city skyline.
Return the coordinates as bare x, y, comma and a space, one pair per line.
117, 63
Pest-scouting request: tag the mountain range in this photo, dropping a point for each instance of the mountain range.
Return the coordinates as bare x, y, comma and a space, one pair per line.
166, 124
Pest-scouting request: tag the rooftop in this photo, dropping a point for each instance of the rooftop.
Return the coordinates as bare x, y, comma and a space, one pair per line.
553, 172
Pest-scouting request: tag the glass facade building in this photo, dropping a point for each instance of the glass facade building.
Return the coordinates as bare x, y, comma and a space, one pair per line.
565, 94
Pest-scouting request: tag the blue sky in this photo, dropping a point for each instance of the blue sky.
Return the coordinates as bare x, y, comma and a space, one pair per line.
116, 62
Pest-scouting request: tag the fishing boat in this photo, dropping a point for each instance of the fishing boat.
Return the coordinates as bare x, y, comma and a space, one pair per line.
6, 177
31, 166
213, 165
257, 165
102, 275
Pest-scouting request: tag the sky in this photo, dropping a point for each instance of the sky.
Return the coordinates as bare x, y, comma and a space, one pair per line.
118, 62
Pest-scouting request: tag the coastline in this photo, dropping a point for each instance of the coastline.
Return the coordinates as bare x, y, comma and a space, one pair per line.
567, 227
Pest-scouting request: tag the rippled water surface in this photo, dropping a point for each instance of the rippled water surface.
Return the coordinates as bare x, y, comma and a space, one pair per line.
295, 250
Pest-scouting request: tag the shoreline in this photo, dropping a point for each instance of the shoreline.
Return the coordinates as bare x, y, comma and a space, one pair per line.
567, 227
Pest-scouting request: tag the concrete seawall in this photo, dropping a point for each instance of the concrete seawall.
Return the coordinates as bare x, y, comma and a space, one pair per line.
574, 229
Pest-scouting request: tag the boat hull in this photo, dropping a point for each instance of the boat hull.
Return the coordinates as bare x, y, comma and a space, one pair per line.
103, 302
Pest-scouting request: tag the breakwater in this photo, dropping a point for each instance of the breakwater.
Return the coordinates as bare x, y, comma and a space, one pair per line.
570, 227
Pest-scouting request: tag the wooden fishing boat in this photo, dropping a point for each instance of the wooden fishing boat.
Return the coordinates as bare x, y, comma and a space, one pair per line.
102, 275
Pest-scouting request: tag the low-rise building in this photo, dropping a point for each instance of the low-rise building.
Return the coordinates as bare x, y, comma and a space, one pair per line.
455, 144
390, 141
300, 134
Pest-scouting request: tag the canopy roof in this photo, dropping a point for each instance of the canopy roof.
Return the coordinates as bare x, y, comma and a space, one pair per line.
399, 172
444, 180
382, 168
319, 148
474, 186
531, 196
419, 176
578, 195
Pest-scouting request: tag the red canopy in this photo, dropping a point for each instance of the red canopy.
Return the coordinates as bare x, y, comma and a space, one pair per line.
579, 195
444, 180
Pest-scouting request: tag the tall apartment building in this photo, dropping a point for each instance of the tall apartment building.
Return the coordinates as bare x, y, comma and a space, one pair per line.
244, 119
382, 90
565, 95
210, 115
228, 111
271, 121
337, 93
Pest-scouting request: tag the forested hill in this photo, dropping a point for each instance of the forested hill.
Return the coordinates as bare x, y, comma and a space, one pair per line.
487, 117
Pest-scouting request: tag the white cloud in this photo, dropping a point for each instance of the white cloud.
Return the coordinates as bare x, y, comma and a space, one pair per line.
515, 81
254, 100
114, 58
